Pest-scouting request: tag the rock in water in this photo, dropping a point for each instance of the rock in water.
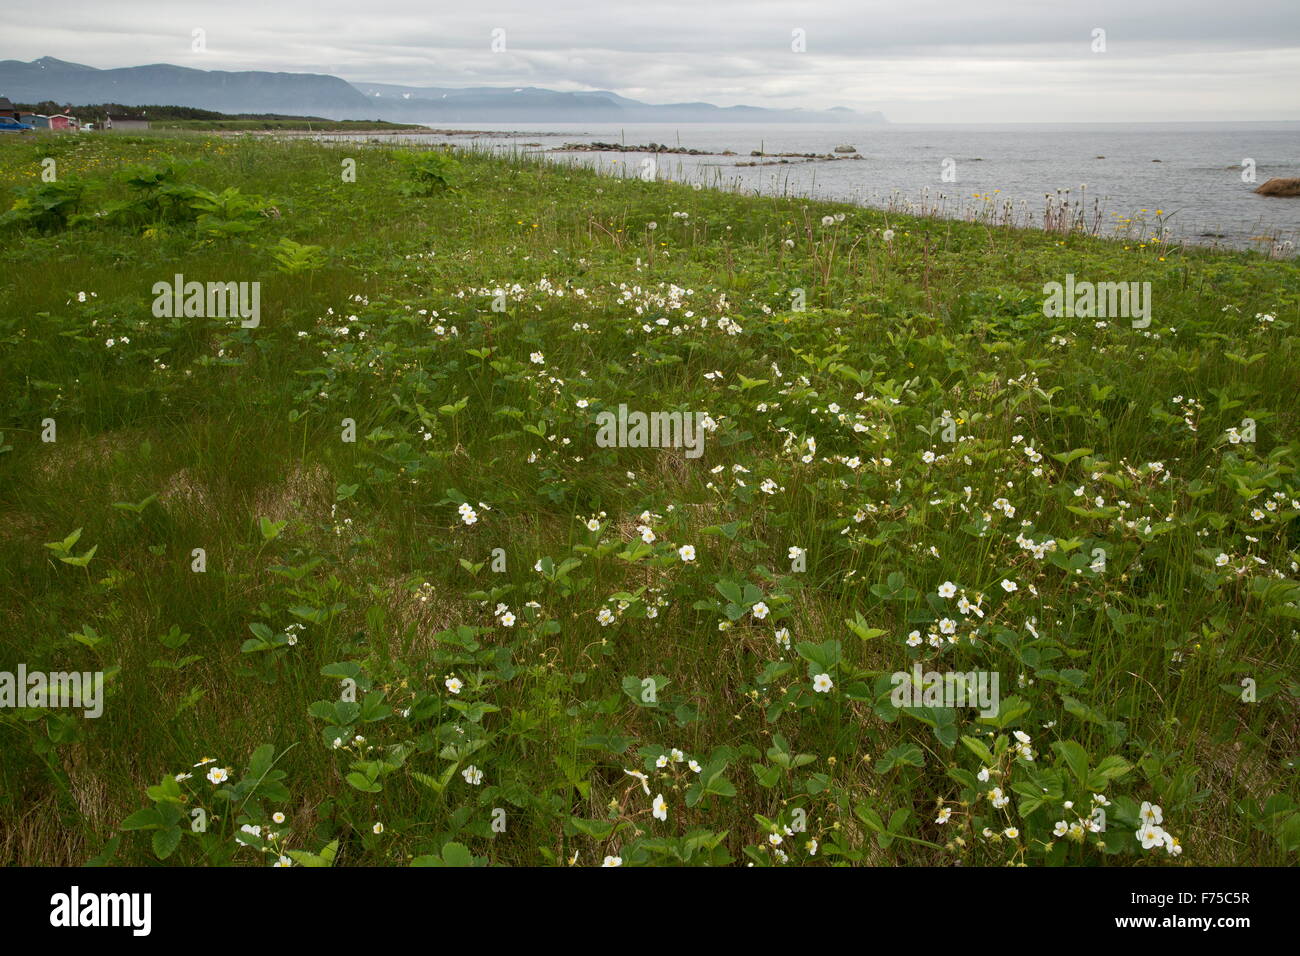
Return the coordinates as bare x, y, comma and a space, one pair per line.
1280, 187
846, 149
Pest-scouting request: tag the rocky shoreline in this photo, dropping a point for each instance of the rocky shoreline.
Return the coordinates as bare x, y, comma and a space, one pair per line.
760, 157
777, 159
648, 148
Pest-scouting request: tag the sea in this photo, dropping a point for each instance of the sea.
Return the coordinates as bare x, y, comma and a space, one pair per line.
1184, 182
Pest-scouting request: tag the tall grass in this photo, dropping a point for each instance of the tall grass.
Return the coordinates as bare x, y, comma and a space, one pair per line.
333, 564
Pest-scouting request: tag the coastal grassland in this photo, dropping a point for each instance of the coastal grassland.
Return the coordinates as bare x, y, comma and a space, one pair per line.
1073, 504
285, 123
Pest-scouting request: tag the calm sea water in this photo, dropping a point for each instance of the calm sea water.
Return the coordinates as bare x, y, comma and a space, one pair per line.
1197, 185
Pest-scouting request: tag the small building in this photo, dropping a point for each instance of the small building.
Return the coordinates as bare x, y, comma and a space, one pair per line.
64, 121
124, 123
38, 121
11, 120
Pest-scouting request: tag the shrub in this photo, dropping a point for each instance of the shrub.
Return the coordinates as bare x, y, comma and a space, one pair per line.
428, 173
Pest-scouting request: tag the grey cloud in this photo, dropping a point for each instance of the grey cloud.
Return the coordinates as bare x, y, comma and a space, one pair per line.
924, 60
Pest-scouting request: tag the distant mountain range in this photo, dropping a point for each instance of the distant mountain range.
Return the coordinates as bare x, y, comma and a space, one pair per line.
528, 103
318, 94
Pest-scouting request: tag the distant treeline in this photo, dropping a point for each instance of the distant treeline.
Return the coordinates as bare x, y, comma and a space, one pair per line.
188, 117
281, 122
49, 107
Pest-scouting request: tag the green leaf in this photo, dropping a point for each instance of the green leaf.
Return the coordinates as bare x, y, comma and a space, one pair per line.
66, 544
146, 819
325, 858
1075, 757
260, 763
166, 841
363, 783
900, 755
1111, 768
596, 829
167, 791
1068, 456
136, 508
83, 560
730, 590
859, 627
457, 854
978, 748
1010, 710
341, 670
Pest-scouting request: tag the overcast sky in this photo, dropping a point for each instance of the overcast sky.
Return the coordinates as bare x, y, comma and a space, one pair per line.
920, 61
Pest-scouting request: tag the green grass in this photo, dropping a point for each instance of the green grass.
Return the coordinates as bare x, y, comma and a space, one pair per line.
329, 563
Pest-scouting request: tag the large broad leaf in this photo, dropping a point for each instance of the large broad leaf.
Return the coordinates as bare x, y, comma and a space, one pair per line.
1075, 757
457, 854
822, 657
146, 819
166, 841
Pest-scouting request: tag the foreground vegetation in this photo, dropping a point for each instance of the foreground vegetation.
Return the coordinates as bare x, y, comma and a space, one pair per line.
473, 634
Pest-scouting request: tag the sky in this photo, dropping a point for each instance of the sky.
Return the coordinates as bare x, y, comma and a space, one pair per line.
917, 61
